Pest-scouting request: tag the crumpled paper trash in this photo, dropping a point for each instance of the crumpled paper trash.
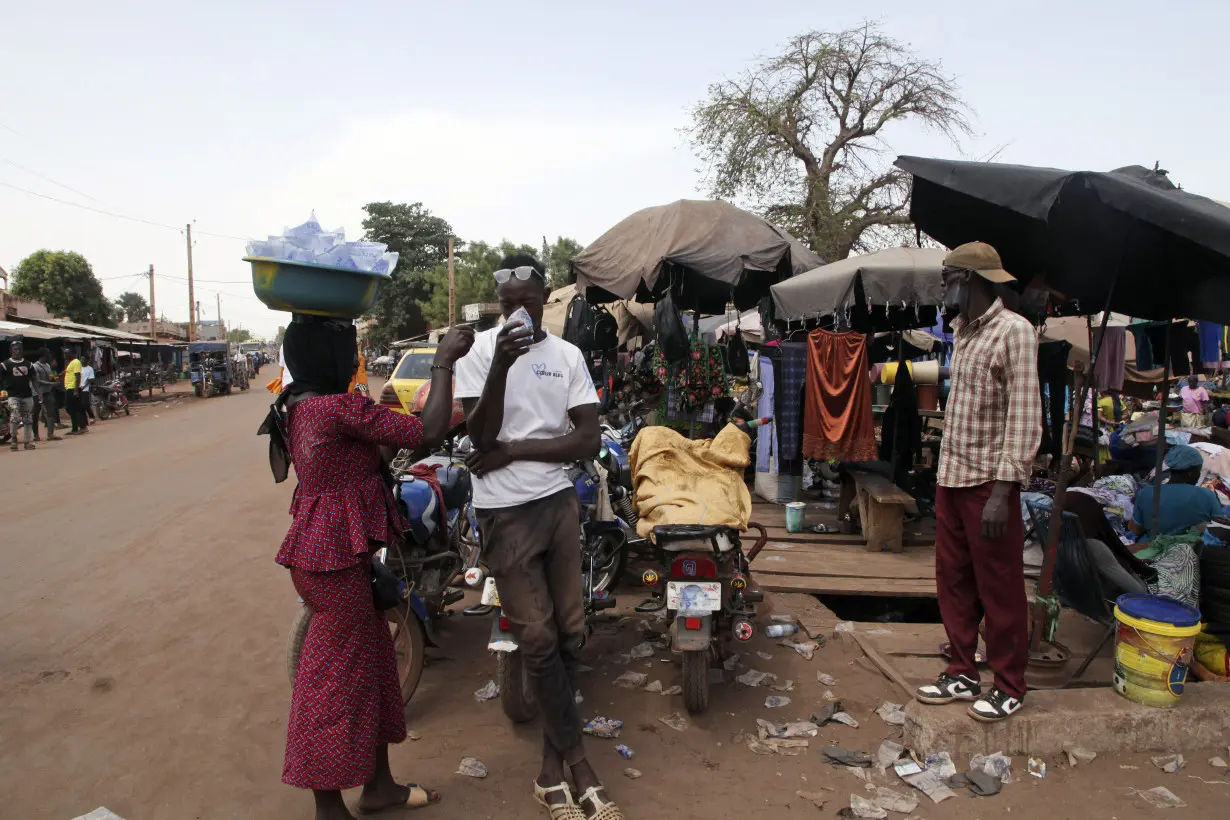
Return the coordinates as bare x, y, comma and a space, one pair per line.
472, 767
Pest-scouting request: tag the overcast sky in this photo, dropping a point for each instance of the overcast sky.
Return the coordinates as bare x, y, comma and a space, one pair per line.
511, 120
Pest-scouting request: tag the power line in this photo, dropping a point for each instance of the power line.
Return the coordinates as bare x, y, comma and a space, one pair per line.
113, 214
54, 182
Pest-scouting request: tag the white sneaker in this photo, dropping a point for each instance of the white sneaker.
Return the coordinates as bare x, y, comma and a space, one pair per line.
946, 689
997, 705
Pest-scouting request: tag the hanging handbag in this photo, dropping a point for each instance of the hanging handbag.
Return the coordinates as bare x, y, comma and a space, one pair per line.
667, 324
736, 355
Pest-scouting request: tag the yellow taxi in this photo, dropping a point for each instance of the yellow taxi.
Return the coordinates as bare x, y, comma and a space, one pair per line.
411, 373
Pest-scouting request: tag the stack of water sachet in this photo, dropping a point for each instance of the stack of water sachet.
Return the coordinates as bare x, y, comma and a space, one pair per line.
310, 244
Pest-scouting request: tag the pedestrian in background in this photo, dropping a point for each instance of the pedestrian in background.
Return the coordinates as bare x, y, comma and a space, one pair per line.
72, 392
17, 379
45, 394
87, 382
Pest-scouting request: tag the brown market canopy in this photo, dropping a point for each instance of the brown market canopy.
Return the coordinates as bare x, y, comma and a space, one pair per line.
892, 277
707, 252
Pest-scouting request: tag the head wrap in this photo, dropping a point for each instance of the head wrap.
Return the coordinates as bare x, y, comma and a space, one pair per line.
320, 354
1183, 457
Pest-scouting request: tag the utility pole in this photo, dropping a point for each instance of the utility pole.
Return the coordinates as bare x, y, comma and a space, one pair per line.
452, 287
198, 314
221, 335
153, 313
191, 297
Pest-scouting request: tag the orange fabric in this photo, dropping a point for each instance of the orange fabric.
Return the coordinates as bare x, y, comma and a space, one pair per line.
837, 423
360, 378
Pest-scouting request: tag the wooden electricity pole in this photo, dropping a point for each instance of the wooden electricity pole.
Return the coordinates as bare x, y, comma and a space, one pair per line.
192, 323
153, 314
221, 335
452, 287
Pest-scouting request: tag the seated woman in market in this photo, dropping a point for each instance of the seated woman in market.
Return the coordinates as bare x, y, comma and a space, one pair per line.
1184, 505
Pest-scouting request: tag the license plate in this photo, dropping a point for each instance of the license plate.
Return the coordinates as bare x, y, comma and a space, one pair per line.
705, 596
491, 595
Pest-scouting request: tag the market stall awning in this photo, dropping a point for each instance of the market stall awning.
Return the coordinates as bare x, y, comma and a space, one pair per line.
1162, 251
10, 330
710, 251
891, 277
93, 330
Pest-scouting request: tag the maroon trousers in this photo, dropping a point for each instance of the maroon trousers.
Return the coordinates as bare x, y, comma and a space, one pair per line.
978, 578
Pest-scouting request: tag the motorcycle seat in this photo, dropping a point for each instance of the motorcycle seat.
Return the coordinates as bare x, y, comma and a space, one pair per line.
688, 532
454, 485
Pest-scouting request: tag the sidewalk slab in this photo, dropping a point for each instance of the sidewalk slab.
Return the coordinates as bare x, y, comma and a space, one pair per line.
1096, 719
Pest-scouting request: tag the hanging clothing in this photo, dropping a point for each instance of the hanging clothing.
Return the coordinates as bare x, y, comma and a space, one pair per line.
901, 430
789, 401
837, 422
1052, 381
1211, 337
1184, 346
766, 435
1144, 346
1108, 371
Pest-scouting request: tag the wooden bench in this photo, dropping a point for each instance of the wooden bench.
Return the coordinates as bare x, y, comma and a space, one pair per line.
882, 506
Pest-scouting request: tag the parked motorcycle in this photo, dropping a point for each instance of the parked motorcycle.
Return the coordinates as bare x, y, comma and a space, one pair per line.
707, 593
109, 399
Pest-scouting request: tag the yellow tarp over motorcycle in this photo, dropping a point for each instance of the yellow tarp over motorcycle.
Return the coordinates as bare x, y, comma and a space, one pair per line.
677, 481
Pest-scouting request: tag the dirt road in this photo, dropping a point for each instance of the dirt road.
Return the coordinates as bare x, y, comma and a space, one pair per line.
142, 626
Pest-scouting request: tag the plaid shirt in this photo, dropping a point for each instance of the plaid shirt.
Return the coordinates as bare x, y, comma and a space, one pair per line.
993, 421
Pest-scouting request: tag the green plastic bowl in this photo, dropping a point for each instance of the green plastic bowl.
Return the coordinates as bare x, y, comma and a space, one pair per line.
320, 290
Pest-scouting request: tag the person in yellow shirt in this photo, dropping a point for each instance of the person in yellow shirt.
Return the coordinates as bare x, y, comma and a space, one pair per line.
72, 389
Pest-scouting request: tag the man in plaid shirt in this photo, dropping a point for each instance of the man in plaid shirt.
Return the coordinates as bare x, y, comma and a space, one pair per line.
992, 427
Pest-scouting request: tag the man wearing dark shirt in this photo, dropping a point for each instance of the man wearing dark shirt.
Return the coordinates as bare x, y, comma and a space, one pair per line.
17, 378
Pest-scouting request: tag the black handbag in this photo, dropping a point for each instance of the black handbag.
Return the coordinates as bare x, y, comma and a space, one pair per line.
667, 324
736, 355
386, 587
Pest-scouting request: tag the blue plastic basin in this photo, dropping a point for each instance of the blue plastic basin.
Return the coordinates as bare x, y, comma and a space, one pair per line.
321, 290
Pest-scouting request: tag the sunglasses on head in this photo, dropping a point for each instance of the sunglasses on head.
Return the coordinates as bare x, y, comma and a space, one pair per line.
522, 273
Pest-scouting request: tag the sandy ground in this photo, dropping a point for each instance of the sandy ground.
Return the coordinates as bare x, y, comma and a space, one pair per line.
142, 627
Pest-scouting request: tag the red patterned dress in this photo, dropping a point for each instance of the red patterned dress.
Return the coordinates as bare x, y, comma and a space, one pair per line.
346, 697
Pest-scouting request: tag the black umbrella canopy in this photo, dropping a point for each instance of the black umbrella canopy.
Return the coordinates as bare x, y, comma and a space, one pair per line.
1165, 252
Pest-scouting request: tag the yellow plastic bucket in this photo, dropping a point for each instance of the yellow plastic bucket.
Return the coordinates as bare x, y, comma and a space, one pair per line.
1153, 648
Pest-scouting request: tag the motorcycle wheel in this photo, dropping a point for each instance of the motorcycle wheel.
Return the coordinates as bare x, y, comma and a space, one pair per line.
516, 694
409, 646
200, 391
696, 680
104, 411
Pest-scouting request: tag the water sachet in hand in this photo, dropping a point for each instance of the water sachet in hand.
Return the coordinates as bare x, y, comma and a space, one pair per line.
521, 316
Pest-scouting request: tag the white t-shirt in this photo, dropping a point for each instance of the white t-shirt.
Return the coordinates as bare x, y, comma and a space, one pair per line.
87, 377
543, 385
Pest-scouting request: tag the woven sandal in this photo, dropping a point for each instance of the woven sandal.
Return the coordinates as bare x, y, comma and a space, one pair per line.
568, 810
417, 798
606, 810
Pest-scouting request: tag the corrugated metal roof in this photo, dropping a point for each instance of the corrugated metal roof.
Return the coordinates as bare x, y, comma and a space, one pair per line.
8, 329
94, 330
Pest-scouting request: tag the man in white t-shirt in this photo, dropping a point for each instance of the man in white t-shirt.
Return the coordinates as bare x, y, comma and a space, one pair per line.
531, 408
87, 382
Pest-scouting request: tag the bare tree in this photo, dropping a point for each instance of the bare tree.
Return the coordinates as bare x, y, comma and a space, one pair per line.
800, 135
